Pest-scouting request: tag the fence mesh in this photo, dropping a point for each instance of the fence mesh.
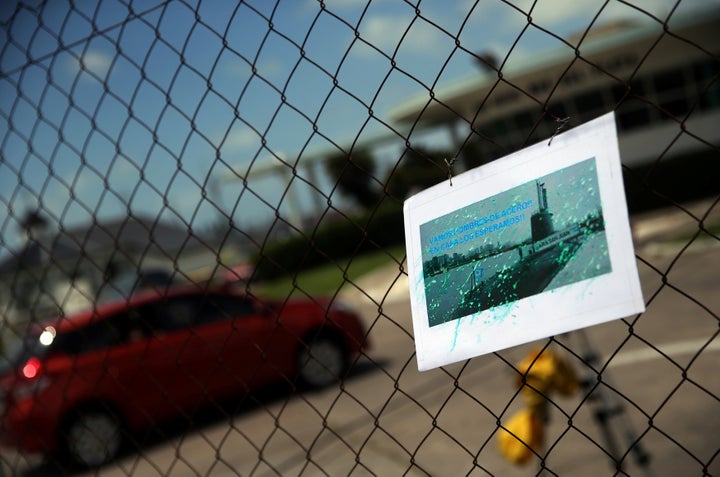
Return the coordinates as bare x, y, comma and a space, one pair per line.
172, 164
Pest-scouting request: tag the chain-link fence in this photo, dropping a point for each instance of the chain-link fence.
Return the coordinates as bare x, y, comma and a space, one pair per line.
202, 252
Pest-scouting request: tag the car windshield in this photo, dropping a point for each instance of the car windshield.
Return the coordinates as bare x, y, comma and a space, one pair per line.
120, 289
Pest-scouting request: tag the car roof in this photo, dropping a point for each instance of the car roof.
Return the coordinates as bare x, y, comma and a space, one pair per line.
144, 297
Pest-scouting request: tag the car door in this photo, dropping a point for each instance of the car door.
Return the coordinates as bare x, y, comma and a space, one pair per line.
91, 350
130, 379
140, 371
179, 357
240, 335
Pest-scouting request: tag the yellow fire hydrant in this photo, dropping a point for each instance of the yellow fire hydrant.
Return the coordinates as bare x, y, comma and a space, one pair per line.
543, 373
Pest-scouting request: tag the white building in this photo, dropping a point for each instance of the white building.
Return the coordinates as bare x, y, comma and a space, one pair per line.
664, 86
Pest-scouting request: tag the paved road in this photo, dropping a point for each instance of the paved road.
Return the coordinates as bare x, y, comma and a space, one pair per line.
389, 419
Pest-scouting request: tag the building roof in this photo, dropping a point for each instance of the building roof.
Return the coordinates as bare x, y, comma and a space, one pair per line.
445, 103
129, 236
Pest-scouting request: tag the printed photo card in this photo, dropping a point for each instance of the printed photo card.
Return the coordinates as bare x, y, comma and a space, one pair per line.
528, 246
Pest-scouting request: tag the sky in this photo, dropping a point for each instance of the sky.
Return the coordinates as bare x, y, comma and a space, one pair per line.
162, 108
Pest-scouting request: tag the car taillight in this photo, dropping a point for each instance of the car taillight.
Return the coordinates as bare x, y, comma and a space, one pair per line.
31, 369
30, 381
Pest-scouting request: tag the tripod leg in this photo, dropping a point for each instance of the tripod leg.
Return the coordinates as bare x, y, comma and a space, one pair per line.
608, 408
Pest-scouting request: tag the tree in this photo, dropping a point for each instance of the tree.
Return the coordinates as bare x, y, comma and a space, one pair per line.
33, 222
487, 61
417, 169
354, 175
473, 155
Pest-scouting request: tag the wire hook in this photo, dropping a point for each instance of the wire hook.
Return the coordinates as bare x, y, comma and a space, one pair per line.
562, 122
449, 165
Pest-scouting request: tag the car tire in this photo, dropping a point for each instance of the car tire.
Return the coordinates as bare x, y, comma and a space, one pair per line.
323, 362
92, 437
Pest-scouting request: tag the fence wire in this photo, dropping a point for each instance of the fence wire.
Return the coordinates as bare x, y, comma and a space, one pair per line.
202, 262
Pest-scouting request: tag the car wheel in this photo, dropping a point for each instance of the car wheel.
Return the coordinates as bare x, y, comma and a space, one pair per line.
93, 437
323, 362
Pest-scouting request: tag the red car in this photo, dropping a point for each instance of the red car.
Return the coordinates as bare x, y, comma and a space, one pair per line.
73, 386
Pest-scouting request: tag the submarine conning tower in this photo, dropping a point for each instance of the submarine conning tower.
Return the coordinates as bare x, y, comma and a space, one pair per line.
541, 223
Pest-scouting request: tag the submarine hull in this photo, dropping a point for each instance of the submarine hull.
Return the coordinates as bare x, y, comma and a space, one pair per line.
528, 277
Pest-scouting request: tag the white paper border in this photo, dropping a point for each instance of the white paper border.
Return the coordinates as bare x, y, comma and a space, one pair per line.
596, 300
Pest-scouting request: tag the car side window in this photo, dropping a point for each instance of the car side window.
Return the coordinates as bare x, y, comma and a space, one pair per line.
183, 312
95, 336
172, 314
137, 325
223, 307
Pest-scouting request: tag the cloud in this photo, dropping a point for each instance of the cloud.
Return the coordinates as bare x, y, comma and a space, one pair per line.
385, 32
95, 62
657, 8
381, 31
237, 68
335, 4
271, 68
346, 3
239, 139
497, 25
560, 11
576, 15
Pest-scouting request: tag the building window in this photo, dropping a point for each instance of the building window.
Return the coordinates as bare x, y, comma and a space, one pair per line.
707, 81
590, 105
668, 81
671, 92
632, 114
